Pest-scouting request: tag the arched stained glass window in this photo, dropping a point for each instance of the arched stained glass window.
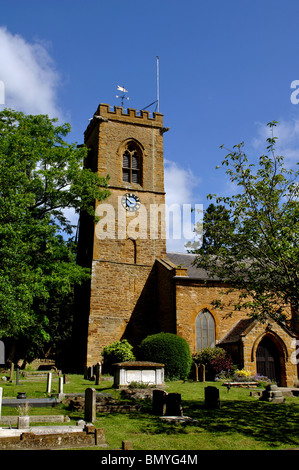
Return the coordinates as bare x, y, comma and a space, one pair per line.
205, 330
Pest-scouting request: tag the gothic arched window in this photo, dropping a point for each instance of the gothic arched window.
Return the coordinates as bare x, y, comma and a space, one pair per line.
132, 159
205, 330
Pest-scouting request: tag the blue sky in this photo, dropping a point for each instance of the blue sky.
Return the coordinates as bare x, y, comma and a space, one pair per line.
225, 71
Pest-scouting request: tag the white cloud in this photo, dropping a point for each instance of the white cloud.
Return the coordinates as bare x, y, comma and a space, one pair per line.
29, 76
180, 187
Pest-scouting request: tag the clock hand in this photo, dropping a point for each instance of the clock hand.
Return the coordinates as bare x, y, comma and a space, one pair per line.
130, 201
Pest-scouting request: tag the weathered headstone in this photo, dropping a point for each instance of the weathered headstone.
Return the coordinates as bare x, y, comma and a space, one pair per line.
66, 380
23, 422
212, 399
127, 445
90, 373
167, 404
159, 402
90, 405
174, 404
49, 382
60, 387
98, 371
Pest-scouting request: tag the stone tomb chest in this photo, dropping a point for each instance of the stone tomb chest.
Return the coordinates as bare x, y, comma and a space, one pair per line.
148, 373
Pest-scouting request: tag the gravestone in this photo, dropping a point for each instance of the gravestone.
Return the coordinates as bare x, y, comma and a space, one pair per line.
174, 404
60, 388
23, 422
212, 399
159, 402
98, 373
90, 405
167, 404
49, 382
90, 373
127, 445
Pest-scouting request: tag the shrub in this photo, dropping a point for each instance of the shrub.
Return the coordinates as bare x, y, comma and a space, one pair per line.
118, 351
170, 350
205, 356
222, 364
216, 360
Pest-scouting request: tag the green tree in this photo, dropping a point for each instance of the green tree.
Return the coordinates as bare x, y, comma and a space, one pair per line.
41, 177
216, 222
258, 254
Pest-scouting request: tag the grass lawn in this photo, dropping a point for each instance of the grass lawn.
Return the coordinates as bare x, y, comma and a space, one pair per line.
241, 423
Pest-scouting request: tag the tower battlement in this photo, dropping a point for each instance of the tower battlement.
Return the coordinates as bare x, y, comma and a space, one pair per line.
129, 115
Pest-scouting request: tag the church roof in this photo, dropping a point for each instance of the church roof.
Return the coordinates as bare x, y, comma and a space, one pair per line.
241, 328
186, 260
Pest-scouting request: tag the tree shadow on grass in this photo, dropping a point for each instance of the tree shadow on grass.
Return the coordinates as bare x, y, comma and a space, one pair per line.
274, 424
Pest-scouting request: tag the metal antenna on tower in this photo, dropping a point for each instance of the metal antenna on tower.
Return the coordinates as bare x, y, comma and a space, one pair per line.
123, 96
158, 91
157, 101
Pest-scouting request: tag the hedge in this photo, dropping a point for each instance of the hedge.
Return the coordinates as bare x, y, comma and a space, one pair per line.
170, 350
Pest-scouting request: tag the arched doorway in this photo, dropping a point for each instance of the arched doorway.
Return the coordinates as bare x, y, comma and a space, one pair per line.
268, 360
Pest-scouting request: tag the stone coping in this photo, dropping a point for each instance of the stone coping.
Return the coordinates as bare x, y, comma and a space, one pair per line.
38, 430
43, 402
240, 384
139, 365
13, 419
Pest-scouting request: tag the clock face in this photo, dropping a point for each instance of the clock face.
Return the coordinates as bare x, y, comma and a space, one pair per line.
130, 202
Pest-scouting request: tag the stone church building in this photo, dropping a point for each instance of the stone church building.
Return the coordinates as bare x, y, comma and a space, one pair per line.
137, 288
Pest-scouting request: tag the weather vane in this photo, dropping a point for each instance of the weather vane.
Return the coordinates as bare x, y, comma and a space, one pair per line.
123, 96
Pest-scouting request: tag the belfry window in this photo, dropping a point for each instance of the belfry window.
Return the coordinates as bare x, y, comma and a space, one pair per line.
132, 163
205, 330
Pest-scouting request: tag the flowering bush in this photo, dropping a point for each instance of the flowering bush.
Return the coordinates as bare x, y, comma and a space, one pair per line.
262, 380
243, 375
219, 364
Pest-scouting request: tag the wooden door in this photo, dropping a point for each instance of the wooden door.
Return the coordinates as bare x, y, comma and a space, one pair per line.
267, 360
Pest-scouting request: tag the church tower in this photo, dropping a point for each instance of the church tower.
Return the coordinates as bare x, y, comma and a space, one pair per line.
121, 248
